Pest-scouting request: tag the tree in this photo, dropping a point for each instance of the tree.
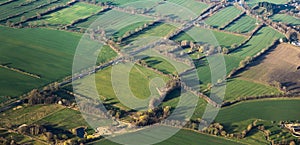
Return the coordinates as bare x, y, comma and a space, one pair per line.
225, 51
23, 18
8, 23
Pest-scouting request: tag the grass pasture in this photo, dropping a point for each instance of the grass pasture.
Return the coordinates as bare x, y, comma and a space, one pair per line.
212, 37
67, 15
284, 18
181, 137
223, 17
275, 66
244, 24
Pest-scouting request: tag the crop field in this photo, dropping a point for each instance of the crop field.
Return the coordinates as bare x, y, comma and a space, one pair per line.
239, 88
29, 114
244, 24
65, 118
14, 8
34, 12
252, 3
43, 52
285, 110
113, 21
160, 64
139, 79
222, 17
181, 137
174, 11
191, 5
261, 39
284, 18
67, 15
276, 67
212, 37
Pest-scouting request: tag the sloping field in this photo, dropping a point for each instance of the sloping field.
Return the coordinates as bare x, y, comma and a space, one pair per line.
278, 65
182, 137
67, 15
284, 18
244, 24
223, 17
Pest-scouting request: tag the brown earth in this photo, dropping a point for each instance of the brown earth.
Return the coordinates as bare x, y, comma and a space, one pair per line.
280, 64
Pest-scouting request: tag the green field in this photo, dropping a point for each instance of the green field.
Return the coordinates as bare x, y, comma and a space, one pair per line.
14, 8
238, 88
261, 39
192, 5
29, 114
284, 18
244, 24
139, 79
211, 37
34, 12
252, 3
67, 15
113, 21
44, 52
276, 110
182, 137
160, 64
65, 119
223, 17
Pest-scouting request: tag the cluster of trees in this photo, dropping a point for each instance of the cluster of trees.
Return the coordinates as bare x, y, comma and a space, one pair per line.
151, 116
270, 7
215, 129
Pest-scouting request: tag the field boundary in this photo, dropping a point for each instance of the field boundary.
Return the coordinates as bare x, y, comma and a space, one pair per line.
20, 71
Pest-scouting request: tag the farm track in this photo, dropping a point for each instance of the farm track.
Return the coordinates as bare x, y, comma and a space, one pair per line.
20, 71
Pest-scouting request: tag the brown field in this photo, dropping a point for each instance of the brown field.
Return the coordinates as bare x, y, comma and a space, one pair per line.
280, 64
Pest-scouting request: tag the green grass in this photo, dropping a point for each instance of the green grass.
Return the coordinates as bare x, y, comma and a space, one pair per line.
181, 137
223, 17
106, 54
67, 15
212, 37
276, 110
44, 52
262, 39
284, 18
238, 88
244, 24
